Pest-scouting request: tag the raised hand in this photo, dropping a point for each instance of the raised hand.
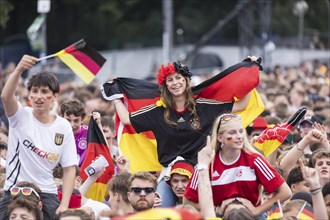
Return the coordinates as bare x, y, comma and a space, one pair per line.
206, 155
27, 62
310, 175
97, 117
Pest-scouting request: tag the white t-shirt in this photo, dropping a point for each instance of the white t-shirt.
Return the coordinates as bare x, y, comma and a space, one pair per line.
35, 149
96, 206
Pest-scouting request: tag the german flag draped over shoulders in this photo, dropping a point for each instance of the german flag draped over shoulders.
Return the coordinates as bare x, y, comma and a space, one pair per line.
96, 145
229, 85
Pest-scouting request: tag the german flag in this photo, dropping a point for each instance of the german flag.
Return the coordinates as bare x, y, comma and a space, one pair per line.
82, 60
162, 213
271, 138
275, 212
306, 212
231, 84
96, 146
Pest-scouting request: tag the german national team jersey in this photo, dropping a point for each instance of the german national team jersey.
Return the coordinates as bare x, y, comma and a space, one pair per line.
35, 149
242, 178
81, 143
190, 135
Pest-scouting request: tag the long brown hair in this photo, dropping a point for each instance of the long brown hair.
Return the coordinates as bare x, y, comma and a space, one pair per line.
168, 100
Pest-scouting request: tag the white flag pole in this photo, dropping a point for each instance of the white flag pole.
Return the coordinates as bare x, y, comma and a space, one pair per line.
46, 57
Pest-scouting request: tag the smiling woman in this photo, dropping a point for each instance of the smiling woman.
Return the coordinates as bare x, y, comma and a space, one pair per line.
236, 170
179, 120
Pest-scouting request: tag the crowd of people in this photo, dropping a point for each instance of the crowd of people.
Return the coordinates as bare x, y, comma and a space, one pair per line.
205, 151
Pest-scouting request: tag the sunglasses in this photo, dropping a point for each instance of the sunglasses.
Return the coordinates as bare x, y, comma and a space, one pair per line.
227, 117
138, 190
25, 191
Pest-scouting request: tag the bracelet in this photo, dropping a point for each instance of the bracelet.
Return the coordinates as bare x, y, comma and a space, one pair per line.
299, 148
316, 191
201, 166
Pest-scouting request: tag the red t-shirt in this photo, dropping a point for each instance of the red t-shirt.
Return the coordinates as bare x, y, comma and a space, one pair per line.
242, 178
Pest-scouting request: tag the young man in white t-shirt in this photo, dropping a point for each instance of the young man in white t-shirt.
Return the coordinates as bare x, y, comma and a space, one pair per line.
38, 140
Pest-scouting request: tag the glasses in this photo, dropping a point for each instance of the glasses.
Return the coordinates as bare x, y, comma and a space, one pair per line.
25, 191
138, 190
227, 117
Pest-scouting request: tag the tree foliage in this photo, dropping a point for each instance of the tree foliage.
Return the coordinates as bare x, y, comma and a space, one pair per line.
116, 24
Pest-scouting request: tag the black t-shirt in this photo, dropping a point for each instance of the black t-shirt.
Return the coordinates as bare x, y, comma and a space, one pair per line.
186, 139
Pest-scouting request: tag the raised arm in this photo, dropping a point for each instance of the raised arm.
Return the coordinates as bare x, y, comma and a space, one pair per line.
312, 178
290, 159
122, 112
8, 93
205, 197
242, 103
87, 184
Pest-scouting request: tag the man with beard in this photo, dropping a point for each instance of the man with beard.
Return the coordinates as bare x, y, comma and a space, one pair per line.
142, 186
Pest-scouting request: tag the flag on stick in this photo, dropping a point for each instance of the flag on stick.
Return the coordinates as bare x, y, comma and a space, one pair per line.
306, 212
141, 148
81, 59
275, 212
96, 145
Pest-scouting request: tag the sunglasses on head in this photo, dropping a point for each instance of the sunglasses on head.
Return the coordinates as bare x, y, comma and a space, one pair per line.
24, 190
227, 117
138, 190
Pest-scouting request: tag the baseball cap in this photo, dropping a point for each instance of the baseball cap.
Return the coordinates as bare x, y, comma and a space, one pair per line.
259, 123
310, 119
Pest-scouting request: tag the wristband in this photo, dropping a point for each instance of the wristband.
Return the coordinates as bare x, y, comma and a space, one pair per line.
201, 166
316, 191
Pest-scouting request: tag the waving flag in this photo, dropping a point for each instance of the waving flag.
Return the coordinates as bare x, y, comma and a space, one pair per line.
81, 59
96, 146
275, 212
271, 138
233, 83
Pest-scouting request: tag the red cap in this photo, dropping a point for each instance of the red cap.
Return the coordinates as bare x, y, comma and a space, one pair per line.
259, 123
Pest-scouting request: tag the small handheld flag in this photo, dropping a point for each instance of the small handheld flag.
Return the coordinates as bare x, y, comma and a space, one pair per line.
81, 59
276, 211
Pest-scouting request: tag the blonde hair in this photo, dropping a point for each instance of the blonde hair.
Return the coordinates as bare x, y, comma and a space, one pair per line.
294, 204
219, 129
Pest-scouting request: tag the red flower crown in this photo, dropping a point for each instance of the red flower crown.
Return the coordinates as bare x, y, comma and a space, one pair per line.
171, 68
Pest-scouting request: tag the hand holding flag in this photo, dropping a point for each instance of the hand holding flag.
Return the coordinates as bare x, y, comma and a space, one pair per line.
96, 145
81, 59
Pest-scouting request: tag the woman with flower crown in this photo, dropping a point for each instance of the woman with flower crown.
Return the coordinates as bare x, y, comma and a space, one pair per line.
179, 122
